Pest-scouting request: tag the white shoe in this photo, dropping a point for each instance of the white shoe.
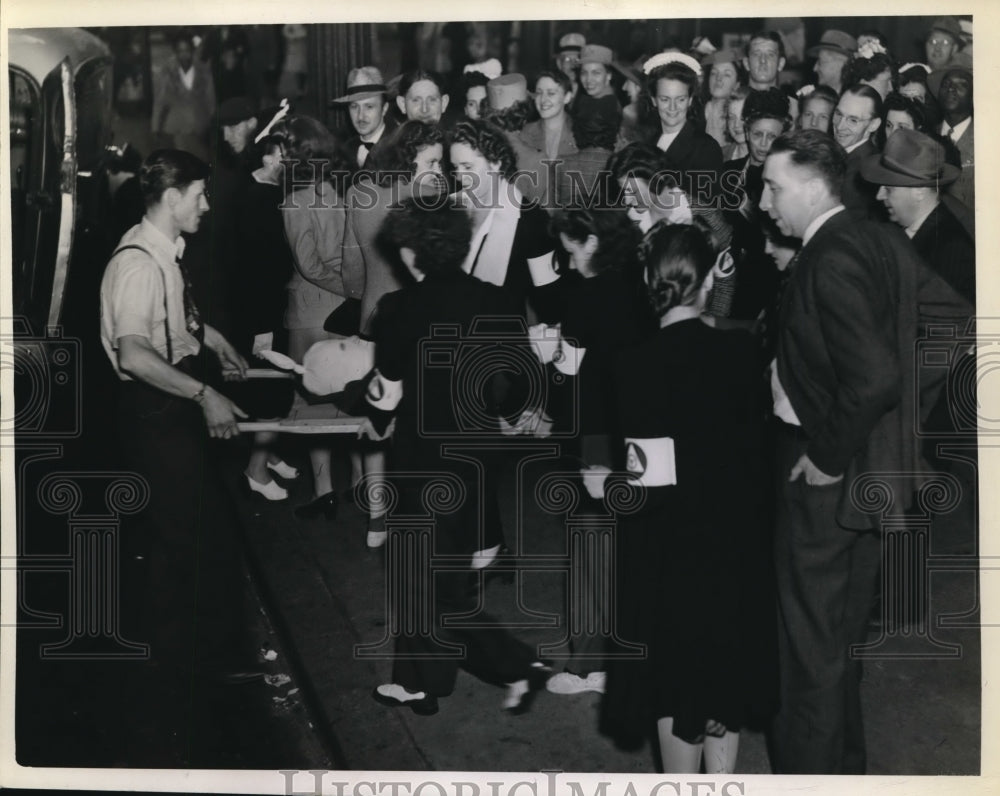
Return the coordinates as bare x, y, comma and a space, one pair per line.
483, 558
271, 491
568, 683
283, 469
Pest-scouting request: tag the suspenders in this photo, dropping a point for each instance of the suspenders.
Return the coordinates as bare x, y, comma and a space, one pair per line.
166, 313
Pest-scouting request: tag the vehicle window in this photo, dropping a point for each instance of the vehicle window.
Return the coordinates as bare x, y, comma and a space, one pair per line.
24, 121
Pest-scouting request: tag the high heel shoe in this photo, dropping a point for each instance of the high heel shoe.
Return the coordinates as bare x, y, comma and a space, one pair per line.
283, 469
271, 491
521, 694
325, 505
395, 696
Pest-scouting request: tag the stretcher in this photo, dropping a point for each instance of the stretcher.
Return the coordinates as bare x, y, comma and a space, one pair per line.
319, 418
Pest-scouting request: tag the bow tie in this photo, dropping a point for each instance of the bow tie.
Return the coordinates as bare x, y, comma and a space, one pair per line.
368, 145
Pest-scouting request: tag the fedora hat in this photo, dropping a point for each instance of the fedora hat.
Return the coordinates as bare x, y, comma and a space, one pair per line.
910, 160
836, 40
596, 54
504, 91
950, 26
364, 82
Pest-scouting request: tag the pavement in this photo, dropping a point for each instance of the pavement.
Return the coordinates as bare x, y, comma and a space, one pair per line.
327, 593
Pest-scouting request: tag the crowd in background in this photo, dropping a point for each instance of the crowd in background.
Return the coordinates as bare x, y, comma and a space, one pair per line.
711, 261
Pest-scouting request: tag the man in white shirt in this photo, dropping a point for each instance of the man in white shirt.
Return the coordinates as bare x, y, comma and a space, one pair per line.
153, 334
837, 383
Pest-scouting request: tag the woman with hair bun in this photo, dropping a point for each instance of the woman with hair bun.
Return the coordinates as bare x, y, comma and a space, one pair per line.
694, 575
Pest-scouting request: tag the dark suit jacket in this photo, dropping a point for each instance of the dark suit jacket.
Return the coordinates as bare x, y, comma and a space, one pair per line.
858, 195
694, 153
964, 188
848, 330
351, 144
946, 246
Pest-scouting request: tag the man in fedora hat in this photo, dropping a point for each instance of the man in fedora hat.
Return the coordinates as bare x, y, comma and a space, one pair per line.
368, 107
568, 56
943, 42
911, 173
833, 51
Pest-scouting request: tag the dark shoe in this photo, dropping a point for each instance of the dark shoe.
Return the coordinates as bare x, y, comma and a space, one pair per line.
425, 706
325, 505
521, 694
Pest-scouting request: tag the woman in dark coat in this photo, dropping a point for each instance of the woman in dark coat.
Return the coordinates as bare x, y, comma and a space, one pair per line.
592, 311
421, 380
695, 583
671, 109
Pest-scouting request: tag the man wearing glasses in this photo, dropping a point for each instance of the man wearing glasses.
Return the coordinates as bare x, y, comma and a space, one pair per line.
856, 117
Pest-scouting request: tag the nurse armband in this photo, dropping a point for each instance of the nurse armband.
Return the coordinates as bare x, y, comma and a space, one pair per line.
650, 462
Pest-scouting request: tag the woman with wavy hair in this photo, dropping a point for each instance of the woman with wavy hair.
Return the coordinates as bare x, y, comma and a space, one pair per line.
591, 311
873, 66
672, 112
509, 234
694, 579
314, 221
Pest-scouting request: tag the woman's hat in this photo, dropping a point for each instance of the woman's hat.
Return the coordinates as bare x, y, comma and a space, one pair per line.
910, 159
364, 82
506, 90
596, 54
235, 110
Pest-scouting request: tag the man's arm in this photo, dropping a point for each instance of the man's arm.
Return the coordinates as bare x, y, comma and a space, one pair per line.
234, 366
138, 358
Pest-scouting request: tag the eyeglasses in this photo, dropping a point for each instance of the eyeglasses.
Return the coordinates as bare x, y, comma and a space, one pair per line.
852, 121
935, 40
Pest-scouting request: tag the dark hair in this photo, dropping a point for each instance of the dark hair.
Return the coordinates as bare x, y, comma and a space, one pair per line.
439, 234
598, 129
513, 117
643, 162
271, 142
915, 74
858, 69
672, 71
676, 259
878, 35
770, 35
916, 110
314, 152
488, 140
617, 237
864, 90
407, 81
473, 78
126, 159
816, 151
399, 157
771, 103
821, 92
169, 168
558, 76
182, 35
742, 78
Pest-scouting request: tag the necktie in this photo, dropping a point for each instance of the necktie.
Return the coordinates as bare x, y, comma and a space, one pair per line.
363, 149
192, 318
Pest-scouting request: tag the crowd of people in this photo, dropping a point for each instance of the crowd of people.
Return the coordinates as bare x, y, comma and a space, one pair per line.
729, 279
